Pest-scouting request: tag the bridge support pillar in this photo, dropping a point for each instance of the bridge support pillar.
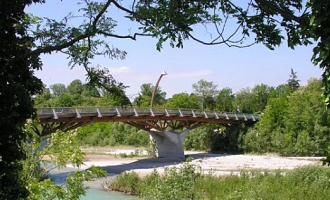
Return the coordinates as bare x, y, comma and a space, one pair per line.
169, 143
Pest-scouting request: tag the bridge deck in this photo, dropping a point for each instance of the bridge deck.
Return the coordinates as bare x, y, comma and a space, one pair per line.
160, 123
132, 114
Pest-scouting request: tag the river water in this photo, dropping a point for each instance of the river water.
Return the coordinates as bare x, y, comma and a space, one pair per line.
96, 194
95, 191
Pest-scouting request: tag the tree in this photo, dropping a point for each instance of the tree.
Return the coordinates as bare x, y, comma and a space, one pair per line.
261, 95
61, 148
145, 95
281, 91
19, 59
89, 91
206, 91
293, 81
112, 100
58, 89
244, 101
183, 100
43, 100
75, 87
225, 100
319, 23
253, 100
294, 124
306, 124
64, 100
17, 84
267, 134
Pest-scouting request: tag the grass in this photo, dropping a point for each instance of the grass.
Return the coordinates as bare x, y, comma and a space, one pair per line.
134, 154
311, 182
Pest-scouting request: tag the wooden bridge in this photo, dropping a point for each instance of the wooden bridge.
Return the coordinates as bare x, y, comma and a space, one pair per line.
142, 118
160, 122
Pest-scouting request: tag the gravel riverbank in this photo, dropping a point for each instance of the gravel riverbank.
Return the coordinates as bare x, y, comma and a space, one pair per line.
219, 164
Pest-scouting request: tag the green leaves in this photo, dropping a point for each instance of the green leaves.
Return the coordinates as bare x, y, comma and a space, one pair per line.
94, 172
175, 183
183, 100
171, 20
80, 42
60, 149
224, 100
17, 85
292, 124
319, 26
326, 160
263, 21
206, 90
63, 147
144, 97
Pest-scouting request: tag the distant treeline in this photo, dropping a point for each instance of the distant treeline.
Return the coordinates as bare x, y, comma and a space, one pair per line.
293, 117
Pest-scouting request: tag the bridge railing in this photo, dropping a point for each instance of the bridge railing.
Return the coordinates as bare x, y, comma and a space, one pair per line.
144, 111
118, 111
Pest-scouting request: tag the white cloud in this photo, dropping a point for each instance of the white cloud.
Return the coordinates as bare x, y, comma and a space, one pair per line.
120, 70
191, 74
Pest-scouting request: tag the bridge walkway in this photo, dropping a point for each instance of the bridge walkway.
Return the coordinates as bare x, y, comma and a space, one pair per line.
161, 123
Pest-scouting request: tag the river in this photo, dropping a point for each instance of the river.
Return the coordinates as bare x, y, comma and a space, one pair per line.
96, 194
95, 191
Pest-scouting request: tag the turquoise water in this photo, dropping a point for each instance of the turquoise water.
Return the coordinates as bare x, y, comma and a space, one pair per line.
93, 193
96, 194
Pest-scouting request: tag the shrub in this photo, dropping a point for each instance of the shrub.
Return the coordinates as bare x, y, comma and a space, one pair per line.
126, 182
309, 182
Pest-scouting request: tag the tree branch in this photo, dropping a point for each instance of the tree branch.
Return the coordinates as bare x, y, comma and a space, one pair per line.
123, 36
97, 18
49, 49
123, 8
285, 15
221, 42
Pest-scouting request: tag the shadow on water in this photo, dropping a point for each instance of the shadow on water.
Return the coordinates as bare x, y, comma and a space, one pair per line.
59, 177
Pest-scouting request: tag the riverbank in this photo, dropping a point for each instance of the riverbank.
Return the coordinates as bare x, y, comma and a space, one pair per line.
188, 182
219, 164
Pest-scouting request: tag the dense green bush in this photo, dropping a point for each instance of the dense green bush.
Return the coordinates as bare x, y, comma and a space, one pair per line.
111, 134
126, 182
197, 138
175, 183
215, 137
310, 182
95, 134
296, 124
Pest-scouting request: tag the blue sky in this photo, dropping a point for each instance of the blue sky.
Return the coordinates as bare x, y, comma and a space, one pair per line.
226, 67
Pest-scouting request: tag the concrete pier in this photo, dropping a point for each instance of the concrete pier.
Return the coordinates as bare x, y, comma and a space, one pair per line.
169, 143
